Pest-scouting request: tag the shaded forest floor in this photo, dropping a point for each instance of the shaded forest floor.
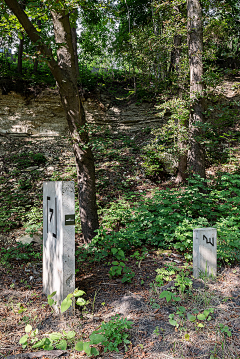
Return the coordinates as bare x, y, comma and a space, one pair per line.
25, 164
151, 336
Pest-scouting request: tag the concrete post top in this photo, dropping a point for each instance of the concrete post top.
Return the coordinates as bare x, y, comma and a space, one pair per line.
204, 229
58, 182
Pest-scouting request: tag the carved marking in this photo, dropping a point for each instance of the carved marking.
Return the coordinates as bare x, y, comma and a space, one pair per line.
209, 240
51, 211
55, 234
48, 199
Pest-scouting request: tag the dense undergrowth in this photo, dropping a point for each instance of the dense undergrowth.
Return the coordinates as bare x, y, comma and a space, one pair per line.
167, 219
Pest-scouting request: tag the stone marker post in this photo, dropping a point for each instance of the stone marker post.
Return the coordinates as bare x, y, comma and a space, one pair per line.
58, 239
204, 251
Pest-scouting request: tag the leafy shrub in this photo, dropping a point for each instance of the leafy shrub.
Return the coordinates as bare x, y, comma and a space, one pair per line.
168, 218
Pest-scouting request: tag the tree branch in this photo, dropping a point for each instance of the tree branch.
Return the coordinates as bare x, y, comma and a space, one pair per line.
34, 36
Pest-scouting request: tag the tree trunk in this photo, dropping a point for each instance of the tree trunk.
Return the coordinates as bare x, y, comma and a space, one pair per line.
176, 53
21, 43
20, 54
64, 72
74, 39
196, 156
35, 64
175, 66
77, 125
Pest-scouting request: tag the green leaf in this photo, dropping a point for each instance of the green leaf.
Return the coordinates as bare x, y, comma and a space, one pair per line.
186, 336
86, 348
62, 345
166, 294
28, 328
173, 322
78, 293
201, 317
39, 344
48, 347
191, 317
55, 336
66, 303
115, 263
183, 309
200, 325
206, 312
97, 338
50, 301
81, 301
176, 299
114, 250
79, 346
71, 334
22, 310
94, 351
23, 339
52, 295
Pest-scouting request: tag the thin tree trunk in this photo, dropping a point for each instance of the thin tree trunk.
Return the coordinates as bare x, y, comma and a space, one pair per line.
196, 156
21, 43
35, 65
20, 55
175, 54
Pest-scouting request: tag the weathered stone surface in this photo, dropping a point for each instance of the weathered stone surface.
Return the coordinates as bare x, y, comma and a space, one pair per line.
37, 239
26, 239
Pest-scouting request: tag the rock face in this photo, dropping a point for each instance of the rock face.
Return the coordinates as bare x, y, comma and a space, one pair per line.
43, 115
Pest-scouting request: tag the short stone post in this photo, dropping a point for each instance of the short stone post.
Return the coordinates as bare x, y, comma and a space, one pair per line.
204, 251
58, 239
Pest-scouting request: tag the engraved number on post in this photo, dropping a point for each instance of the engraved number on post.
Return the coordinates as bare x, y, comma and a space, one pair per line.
52, 215
209, 240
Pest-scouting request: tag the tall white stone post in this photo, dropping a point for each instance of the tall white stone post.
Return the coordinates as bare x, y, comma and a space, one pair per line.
58, 239
204, 251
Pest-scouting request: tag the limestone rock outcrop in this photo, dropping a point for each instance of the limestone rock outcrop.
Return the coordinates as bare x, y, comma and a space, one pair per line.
43, 115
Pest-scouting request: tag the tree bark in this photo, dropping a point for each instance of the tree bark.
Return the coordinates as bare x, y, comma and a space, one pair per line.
77, 124
196, 156
35, 64
74, 41
176, 53
64, 72
21, 43
20, 54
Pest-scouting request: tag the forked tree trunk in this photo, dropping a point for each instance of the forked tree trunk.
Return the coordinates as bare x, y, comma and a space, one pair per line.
196, 156
65, 73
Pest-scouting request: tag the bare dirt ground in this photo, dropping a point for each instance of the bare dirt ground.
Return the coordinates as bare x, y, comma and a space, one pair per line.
151, 335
